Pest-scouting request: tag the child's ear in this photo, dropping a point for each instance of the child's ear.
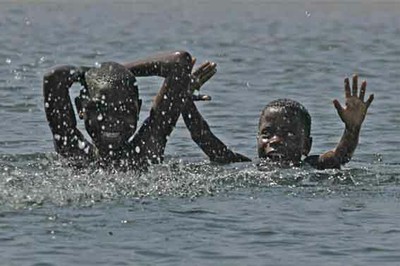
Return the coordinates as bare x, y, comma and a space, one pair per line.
79, 106
307, 146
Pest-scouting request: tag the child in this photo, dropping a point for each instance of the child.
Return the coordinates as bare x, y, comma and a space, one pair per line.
109, 104
284, 132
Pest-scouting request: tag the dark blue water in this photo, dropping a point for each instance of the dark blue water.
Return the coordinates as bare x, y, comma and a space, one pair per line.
188, 211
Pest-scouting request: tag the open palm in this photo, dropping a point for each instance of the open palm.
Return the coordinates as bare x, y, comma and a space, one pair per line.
355, 109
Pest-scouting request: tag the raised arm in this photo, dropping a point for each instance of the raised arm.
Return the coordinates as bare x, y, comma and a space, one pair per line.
200, 131
352, 115
162, 65
60, 114
167, 104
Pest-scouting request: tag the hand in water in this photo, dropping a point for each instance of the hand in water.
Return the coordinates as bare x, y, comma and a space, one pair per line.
354, 112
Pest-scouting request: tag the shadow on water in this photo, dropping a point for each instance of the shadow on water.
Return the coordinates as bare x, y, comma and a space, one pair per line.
32, 180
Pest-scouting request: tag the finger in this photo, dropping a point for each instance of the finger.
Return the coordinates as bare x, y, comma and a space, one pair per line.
193, 60
200, 68
209, 66
338, 107
204, 68
355, 85
201, 97
370, 99
206, 77
362, 90
347, 88
208, 73
203, 80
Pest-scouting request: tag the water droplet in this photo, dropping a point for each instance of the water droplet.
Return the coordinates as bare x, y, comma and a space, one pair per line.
46, 104
8, 61
81, 144
137, 149
27, 22
308, 14
100, 117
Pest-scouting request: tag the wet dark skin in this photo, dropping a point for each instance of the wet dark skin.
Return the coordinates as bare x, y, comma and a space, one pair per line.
111, 114
200, 131
282, 137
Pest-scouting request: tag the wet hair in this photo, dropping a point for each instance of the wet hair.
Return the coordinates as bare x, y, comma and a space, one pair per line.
109, 76
293, 106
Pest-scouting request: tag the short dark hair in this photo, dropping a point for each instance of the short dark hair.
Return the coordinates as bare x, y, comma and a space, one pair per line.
294, 106
109, 75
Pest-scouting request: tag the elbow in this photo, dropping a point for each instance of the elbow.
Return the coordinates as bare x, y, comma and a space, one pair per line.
58, 71
49, 75
184, 59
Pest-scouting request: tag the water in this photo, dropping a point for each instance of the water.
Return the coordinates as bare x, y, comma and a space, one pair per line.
188, 211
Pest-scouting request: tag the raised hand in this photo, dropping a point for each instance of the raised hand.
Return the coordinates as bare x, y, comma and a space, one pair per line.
202, 74
354, 112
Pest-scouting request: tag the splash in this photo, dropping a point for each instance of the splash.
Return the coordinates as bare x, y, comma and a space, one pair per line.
33, 180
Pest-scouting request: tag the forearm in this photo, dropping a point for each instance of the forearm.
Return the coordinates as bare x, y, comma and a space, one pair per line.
347, 144
201, 133
162, 65
344, 150
57, 102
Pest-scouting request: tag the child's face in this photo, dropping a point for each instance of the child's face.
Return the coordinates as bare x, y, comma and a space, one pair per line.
111, 121
281, 136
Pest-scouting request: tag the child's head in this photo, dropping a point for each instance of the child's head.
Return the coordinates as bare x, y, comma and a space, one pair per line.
109, 104
284, 131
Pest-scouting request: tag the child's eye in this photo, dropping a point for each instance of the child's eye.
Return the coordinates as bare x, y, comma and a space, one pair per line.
265, 135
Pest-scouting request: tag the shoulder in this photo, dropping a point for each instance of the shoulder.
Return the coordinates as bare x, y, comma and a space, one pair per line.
312, 160
319, 162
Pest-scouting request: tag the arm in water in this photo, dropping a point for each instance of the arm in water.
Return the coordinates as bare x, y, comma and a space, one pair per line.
200, 131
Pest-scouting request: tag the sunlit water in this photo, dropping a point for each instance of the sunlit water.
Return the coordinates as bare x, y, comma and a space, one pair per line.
188, 211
